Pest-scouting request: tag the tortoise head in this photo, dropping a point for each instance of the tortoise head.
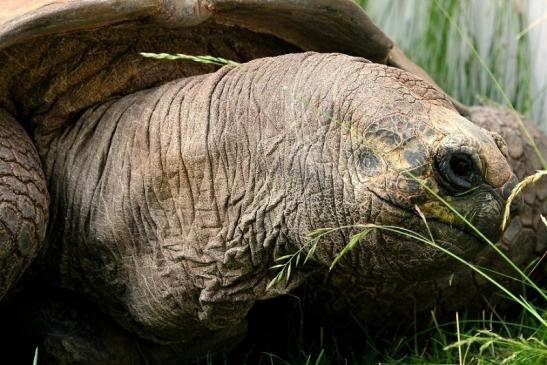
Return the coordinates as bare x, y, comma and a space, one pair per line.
410, 156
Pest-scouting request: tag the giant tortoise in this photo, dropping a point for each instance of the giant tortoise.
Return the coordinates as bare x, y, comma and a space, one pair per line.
173, 187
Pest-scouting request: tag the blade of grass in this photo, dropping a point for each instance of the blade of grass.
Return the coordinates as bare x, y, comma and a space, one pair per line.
355, 239
532, 179
459, 339
218, 61
496, 83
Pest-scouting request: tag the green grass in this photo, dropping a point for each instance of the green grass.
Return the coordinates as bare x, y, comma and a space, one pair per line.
422, 31
485, 340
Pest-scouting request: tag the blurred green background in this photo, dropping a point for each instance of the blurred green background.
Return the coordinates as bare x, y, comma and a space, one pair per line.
509, 35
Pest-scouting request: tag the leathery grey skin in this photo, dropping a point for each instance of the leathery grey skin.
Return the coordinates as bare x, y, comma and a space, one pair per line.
170, 205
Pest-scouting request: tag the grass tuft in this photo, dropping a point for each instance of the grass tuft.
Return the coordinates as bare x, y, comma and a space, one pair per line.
509, 36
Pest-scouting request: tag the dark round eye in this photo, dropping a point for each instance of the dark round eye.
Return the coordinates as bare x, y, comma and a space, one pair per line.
461, 165
459, 171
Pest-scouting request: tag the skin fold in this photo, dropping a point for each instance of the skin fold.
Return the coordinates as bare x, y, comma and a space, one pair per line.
170, 205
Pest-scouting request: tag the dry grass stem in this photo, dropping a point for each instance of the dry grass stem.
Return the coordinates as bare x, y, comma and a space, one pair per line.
532, 179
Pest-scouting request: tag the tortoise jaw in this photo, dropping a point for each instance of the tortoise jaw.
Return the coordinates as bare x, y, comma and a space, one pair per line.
481, 210
462, 241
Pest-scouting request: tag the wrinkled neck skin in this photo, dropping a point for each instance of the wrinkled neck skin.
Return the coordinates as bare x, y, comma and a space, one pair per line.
170, 205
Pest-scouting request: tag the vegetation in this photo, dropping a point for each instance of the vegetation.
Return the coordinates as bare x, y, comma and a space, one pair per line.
458, 41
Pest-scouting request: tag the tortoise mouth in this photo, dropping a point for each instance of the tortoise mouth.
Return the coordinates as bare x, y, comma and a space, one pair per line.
457, 237
467, 241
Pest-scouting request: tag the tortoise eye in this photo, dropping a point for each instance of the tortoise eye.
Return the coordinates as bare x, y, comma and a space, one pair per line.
459, 171
461, 166
368, 162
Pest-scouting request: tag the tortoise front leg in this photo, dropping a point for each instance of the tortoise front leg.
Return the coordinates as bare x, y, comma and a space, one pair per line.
67, 329
23, 202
